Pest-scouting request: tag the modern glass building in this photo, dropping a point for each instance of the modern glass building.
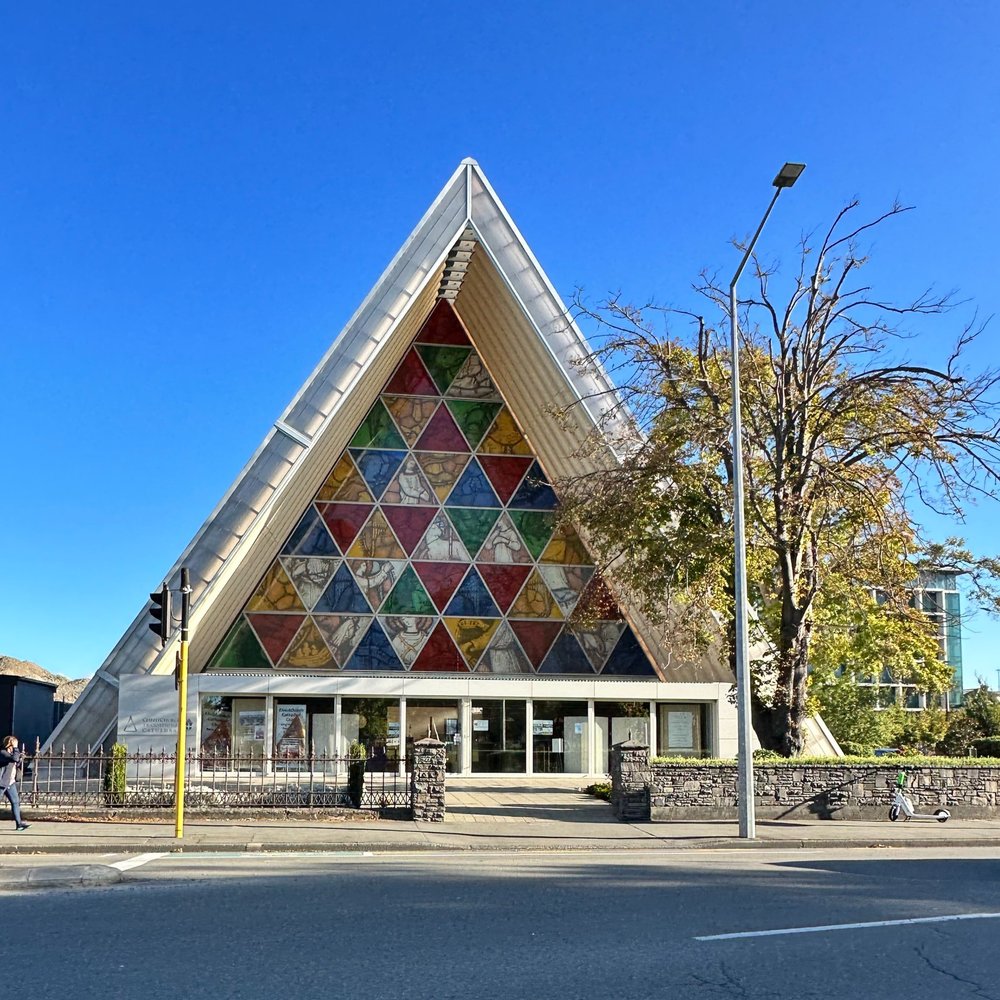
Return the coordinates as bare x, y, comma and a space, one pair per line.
390, 561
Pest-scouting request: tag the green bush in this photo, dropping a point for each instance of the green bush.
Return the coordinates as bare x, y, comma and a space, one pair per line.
893, 761
987, 746
356, 772
600, 790
853, 749
115, 776
763, 755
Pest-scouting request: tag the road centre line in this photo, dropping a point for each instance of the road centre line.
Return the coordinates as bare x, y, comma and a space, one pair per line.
849, 927
139, 859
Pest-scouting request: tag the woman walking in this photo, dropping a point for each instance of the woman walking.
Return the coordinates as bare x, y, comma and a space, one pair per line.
10, 758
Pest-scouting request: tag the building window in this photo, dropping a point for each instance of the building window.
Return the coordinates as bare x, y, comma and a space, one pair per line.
499, 737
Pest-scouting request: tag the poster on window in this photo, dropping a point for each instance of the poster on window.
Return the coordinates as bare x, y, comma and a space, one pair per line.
680, 730
252, 725
289, 735
541, 727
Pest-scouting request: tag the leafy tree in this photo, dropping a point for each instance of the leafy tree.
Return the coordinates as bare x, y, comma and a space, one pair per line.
982, 708
844, 437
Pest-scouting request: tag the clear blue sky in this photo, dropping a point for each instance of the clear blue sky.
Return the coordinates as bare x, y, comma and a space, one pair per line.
194, 198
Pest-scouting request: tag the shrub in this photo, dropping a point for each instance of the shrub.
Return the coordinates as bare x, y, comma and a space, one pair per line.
115, 776
356, 772
853, 749
988, 746
600, 790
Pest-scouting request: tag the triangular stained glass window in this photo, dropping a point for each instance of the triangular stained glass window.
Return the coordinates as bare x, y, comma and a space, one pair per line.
409, 486
441, 542
504, 437
308, 651
407, 634
309, 576
471, 635
345, 483
442, 470
310, 537
376, 577
473, 381
409, 523
536, 637
473, 489
535, 492
275, 631
342, 595
377, 430
504, 654
275, 592
411, 378
565, 657
597, 602
408, 597
342, 633
535, 527
378, 468
503, 582
411, 414
598, 640
441, 433
240, 650
473, 417
374, 652
344, 520
472, 599
504, 544
505, 472
376, 540
628, 659
535, 600
443, 327
566, 584
440, 654
473, 524
567, 548
443, 362
440, 579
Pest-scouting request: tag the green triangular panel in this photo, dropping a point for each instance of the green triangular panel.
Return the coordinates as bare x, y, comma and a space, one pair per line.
535, 527
473, 418
473, 524
408, 597
442, 362
239, 649
377, 430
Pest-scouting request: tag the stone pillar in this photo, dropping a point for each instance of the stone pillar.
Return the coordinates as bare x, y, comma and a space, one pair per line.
427, 780
630, 777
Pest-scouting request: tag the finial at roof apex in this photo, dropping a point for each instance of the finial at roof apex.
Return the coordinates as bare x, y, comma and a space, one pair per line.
470, 161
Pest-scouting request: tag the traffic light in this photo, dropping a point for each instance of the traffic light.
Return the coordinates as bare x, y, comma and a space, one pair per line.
160, 611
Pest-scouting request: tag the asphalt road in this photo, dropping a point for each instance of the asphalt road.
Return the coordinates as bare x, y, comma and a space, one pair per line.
585, 926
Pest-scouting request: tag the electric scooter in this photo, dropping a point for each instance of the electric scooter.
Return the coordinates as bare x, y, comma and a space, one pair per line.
902, 807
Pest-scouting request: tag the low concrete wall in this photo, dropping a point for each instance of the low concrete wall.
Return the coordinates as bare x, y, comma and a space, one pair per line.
821, 791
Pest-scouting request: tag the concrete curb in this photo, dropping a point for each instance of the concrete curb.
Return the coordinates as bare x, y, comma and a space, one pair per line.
53, 876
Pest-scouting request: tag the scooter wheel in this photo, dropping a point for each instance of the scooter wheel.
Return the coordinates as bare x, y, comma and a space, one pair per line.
893, 813
942, 815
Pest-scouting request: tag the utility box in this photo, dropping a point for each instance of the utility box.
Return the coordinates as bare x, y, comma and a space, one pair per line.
27, 709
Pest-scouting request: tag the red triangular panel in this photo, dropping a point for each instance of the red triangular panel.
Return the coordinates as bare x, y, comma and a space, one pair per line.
411, 378
503, 582
505, 473
409, 523
344, 520
275, 632
441, 434
440, 579
536, 638
443, 327
440, 654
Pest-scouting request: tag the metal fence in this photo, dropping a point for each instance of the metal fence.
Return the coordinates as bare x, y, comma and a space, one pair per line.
63, 777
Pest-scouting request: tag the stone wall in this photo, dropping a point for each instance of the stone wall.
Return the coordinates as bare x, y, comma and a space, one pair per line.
630, 780
821, 791
427, 781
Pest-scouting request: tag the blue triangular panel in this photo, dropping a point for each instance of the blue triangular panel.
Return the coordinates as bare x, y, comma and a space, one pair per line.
473, 489
566, 657
310, 538
628, 659
374, 652
342, 595
377, 467
472, 599
535, 492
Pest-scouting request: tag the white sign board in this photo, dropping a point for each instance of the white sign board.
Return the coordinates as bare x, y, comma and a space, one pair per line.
147, 714
680, 730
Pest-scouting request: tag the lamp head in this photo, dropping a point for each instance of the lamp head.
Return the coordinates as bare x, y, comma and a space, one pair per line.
788, 175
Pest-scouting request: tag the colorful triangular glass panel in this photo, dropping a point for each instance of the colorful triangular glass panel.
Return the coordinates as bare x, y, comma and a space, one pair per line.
503, 582
376, 577
275, 592
442, 470
344, 520
535, 527
504, 544
409, 523
628, 659
378, 468
473, 490
377, 430
536, 638
504, 437
374, 652
443, 327
342, 595
598, 603
408, 597
566, 584
473, 417
473, 524
504, 654
409, 486
440, 654
440, 579
310, 537
342, 633
441, 542
443, 362
441, 433
565, 657
411, 414
567, 547
241, 649
473, 381
535, 600
309, 576
376, 541
308, 651
471, 635
275, 632
411, 378
505, 472
345, 483
472, 599
598, 640
535, 492
407, 635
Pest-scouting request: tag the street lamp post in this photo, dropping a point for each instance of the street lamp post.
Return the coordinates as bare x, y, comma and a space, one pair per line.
787, 176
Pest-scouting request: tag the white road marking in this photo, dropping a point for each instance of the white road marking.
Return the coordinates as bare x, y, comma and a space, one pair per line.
849, 927
139, 859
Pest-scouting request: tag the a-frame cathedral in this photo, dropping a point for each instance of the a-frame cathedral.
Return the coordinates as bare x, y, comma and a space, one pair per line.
390, 558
